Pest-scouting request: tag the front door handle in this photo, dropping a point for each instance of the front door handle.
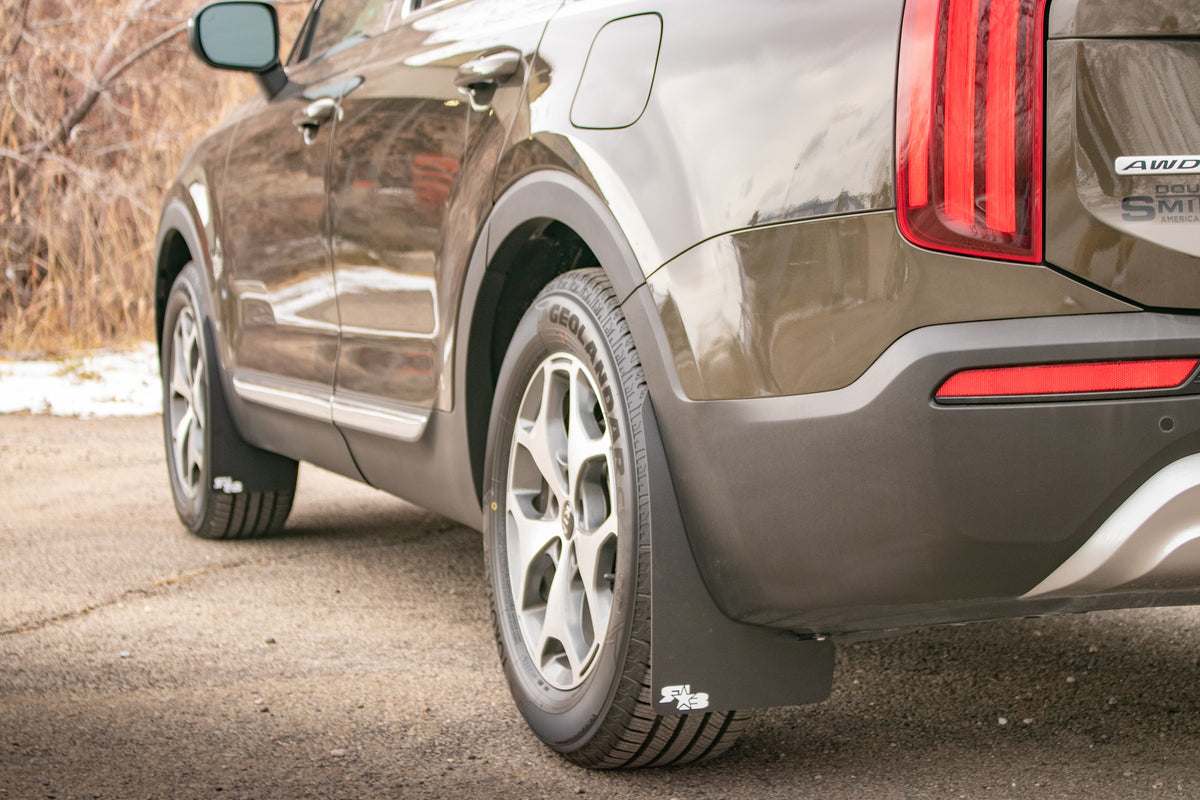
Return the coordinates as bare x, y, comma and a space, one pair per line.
314, 115
481, 75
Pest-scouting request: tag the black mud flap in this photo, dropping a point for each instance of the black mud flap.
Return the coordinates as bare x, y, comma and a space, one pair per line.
700, 660
237, 466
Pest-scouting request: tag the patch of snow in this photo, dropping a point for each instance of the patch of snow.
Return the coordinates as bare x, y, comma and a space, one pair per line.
104, 383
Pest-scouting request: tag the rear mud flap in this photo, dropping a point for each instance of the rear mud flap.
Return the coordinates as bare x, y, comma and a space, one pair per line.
700, 660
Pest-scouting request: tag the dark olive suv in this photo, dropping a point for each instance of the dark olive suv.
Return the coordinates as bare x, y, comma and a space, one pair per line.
737, 329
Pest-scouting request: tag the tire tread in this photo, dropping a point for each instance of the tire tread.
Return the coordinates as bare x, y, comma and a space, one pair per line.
633, 734
247, 516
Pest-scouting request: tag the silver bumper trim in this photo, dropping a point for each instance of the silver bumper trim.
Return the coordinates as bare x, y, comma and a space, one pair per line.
1145, 538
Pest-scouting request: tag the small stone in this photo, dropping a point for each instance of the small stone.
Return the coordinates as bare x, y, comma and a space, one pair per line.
1093, 649
1002, 720
337, 753
1027, 721
126, 654
1112, 701
271, 640
1070, 679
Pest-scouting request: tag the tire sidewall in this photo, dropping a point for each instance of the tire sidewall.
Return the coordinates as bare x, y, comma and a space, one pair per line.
560, 321
186, 293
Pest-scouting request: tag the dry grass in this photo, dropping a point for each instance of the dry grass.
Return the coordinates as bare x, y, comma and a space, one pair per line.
79, 202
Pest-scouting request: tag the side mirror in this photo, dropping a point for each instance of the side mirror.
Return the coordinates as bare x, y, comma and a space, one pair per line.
241, 35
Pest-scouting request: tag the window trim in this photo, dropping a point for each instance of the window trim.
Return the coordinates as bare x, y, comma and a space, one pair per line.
412, 7
300, 55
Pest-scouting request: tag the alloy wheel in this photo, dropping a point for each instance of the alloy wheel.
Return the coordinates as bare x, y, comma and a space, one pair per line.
186, 400
562, 529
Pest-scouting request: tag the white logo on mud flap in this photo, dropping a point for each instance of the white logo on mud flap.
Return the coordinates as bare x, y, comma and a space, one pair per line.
227, 485
683, 695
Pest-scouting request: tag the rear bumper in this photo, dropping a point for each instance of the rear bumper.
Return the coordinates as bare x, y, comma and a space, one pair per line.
873, 506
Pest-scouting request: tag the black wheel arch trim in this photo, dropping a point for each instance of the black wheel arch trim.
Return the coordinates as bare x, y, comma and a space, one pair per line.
179, 219
556, 195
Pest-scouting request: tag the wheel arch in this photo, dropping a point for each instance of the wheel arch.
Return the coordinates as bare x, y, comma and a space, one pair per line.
179, 242
545, 224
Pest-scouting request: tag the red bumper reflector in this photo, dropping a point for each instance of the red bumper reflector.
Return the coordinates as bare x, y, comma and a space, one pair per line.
1048, 379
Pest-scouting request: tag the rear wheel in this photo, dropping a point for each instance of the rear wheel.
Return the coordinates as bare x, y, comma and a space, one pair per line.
214, 507
567, 537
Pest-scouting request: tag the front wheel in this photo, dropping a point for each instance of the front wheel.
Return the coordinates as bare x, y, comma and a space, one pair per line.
566, 537
209, 505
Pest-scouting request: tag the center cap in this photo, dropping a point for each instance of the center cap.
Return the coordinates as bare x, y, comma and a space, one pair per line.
568, 522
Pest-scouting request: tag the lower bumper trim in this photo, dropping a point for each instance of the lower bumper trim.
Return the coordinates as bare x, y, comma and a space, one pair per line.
1147, 541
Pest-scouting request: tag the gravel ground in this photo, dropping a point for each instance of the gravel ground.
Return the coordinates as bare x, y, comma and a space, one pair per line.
352, 657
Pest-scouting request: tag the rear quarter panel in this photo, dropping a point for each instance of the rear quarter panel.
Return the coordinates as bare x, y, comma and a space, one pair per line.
759, 112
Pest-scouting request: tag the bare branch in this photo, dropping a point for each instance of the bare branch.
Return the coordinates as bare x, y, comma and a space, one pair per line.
19, 26
102, 78
142, 52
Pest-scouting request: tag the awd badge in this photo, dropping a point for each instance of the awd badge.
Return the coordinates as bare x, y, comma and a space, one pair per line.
1158, 165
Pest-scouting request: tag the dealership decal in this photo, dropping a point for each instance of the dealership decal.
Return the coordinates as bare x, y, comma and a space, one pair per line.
1158, 165
1171, 204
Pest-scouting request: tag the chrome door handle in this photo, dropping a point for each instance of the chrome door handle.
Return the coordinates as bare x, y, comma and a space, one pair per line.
314, 115
481, 75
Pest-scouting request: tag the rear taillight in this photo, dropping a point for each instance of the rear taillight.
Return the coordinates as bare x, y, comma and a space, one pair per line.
1059, 379
969, 127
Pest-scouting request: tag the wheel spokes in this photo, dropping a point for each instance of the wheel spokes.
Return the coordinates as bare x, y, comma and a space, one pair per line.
596, 556
186, 403
540, 432
587, 434
530, 543
562, 531
567, 640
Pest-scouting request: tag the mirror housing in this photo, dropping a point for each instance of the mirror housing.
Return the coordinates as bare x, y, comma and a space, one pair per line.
240, 35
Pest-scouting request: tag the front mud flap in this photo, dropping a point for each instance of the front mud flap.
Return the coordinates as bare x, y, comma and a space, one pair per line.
238, 467
700, 660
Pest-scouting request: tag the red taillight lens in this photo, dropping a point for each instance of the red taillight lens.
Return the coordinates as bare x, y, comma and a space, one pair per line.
1048, 379
969, 127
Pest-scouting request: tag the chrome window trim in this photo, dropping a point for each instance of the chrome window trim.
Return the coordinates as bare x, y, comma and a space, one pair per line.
410, 11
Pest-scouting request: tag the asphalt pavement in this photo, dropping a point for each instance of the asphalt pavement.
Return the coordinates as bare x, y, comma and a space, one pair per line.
352, 657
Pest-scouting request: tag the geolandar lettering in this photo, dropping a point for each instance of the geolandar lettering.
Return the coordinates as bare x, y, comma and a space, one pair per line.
571, 321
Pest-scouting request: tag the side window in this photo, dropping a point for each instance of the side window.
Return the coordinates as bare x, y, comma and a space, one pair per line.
333, 22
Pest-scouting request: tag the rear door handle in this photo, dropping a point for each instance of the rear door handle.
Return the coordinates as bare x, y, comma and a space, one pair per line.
314, 115
481, 75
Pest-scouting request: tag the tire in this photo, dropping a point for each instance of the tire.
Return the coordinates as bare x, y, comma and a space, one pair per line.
193, 410
566, 538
